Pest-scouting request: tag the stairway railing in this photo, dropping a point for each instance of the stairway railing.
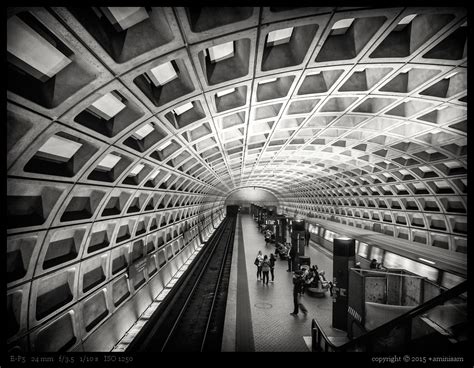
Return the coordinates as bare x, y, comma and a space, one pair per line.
322, 343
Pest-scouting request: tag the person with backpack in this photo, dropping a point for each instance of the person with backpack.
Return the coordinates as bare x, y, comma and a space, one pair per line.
272, 266
265, 269
258, 262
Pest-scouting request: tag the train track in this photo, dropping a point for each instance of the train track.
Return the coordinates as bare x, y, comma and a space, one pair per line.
193, 319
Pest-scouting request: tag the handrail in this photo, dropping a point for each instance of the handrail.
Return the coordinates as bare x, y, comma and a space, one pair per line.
455, 291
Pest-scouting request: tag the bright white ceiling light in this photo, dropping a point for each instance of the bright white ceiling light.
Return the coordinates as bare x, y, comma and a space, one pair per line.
407, 19
425, 260
162, 74
341, 26
122, 17
271, 80
442, 184
183, 108
221, 52
108, 162
225, 92
153, 176
59, 149
107, 106
137, 169
143, 131
453, 164
404, 22
32, 53
452, 74
163, 146
279, 37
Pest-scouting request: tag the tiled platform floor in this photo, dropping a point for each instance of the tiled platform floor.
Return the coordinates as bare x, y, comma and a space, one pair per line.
274, 329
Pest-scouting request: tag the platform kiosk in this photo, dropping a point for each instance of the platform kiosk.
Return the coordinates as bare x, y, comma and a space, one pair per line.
280, 229
343, 260
297, 241
262, 215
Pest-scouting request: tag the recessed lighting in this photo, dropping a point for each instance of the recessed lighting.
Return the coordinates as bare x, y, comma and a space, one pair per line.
108, 162
425, 260
341, 26
268, 81
143, 131
162, 74
122, 17
58, 148
183, 108
163, 146
137, 169
153, 176
225, 92
221, 52
407, 19
30, 52
452, 74
107, 106
279, 37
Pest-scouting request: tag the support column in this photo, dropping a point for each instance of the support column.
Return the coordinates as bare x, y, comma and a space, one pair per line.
343, 259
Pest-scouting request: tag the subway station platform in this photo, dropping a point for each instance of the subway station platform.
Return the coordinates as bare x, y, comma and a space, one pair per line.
258, 316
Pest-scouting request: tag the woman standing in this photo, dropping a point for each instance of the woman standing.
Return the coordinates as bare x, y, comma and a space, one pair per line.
258, 263
265, 269
272, 265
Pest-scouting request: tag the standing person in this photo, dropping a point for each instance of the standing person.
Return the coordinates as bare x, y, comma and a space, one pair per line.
265, 269
288, 257
373, 264
272, 266
293, 253
258, 263
298, 282
307, 236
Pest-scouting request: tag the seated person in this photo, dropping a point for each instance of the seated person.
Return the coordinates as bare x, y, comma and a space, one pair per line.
309, 278
281, 250
324, 283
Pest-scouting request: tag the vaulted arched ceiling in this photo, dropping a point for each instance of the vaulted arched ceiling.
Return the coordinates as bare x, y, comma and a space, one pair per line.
120, 119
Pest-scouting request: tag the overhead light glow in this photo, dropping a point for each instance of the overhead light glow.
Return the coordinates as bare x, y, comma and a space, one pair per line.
137, 169
407, 19
59, 149
225, 92
153, 176
268, 81
221, 52
123, 18
183, 108
341, 26
30, 52
163, 146
107, 106
108, 162
425, 260
162, 74
452, 74
279, 37
143, 131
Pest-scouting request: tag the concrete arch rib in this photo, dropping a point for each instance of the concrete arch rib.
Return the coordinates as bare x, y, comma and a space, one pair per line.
128, 129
